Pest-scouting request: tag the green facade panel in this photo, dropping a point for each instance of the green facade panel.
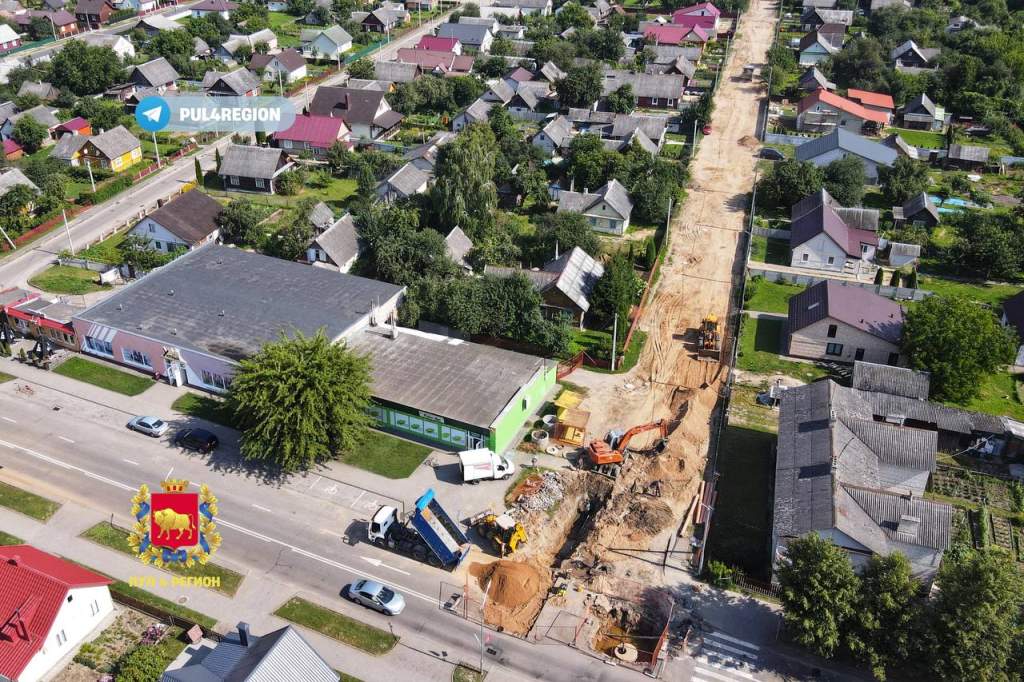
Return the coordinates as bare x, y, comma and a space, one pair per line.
523, 405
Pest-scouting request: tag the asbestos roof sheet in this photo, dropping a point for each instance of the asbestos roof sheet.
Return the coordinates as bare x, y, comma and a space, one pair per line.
909, 383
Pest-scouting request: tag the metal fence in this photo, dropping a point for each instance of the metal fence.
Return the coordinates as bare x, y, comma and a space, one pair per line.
771, 232
897, 293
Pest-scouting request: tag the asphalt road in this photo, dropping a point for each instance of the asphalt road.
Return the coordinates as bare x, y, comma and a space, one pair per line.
289, 530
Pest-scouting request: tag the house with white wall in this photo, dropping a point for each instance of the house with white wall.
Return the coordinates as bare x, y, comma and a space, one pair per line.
821, 240
182, 224
48, 607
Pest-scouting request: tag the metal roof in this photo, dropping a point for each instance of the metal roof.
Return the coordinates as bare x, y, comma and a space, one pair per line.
466, 382
611, 193
229, 302
578, 273
853, 305
468, 34
968, 152
824, 218
847, 141
909, 383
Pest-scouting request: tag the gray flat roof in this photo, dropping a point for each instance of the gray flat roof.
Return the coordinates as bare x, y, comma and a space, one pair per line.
467, 382
229, 302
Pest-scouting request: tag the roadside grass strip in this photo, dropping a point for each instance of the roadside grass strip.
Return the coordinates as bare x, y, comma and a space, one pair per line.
337, 626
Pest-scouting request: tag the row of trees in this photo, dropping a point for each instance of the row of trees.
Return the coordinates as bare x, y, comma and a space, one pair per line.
972, 630
789, 181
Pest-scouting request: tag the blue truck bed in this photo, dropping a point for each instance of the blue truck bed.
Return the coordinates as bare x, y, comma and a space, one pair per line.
442, 535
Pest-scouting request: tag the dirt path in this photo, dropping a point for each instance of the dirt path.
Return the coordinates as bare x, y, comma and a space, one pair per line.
703, 260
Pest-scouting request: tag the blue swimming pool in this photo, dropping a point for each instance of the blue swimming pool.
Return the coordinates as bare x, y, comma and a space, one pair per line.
951, 204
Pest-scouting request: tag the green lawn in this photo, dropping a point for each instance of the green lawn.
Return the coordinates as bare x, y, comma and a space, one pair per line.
999, 395
64, 279
106, 250
5, 377
741, 526
921, 138
337, 626
27, 503
116, 539
8, 539
337, 194
760, 343
345, 677
386, 455
465, 673
990, 294
103, 376
204, 407
770, 297
769, 250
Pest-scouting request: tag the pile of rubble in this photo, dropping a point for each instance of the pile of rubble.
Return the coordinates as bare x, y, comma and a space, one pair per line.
540, 493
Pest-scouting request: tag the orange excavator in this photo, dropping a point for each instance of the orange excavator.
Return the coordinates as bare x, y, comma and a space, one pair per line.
606, 456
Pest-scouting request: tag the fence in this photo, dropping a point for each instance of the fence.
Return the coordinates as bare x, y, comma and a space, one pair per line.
162, 615
783, 138
85, 264
772, 233
896, 293
170, 158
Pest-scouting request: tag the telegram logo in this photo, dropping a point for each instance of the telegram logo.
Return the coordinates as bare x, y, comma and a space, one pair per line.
153, 114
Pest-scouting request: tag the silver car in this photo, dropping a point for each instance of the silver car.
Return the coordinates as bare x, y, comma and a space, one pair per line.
151, 426
376, 596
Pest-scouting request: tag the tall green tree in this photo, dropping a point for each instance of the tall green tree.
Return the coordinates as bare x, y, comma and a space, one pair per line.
976, 619
573, 15
819, 593
136, 252
301, 401
788, 182
238, 222
563, 231
29, 133
464, 193
883, 631
581, 86
362, 68
617, 290
400, 252
621, 100
844, 179
959, 342
906, 178
86, 69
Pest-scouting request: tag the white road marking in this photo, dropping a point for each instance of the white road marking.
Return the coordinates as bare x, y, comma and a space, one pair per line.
131, 462
723, 669
380, 564
361, 493
66, 439
313, 484
332, 490
730, 649
713, 674
734, 640
261, 508
227, 524
8, 419
168, 473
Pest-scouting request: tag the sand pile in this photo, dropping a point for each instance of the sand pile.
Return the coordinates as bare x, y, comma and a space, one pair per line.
648, 515
516, 592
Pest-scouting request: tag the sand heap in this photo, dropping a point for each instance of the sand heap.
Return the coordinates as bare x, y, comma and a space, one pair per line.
515, 593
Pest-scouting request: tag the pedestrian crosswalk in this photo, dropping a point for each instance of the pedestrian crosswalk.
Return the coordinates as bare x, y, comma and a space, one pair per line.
723, 658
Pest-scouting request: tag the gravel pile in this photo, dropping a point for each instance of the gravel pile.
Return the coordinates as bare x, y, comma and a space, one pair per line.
545, 495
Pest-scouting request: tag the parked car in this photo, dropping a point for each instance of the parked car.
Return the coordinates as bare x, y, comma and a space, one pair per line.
706, 130
374, 595
771, 154
199, 440
151, 426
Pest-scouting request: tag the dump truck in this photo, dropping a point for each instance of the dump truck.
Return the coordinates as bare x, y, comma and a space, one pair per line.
426, 534
482, 464
606, 456
709, 341
501, 529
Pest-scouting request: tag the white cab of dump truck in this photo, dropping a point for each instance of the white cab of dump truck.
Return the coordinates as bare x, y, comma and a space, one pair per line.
480, 464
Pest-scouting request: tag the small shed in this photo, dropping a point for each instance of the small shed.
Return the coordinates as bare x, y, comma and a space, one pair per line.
967, 156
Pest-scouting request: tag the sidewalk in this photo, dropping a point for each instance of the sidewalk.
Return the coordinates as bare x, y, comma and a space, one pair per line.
254, 602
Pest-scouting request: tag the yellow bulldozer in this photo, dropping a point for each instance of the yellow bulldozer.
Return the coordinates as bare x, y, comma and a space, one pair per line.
505, 532
709, 340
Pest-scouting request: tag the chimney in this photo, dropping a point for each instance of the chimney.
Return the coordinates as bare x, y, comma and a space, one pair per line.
556, 249
243, 634
394, 327
14, 560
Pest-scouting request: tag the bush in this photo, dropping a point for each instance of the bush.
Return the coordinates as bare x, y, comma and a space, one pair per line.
290, 182
719, 575
105, 192
141, 664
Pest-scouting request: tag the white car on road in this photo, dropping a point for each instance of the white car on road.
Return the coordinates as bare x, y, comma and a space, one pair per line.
151, 426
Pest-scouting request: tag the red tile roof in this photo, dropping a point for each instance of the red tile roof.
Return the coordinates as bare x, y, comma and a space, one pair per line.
318, 131
437, 43
843, 104
10, 146
705, 22
432, 59
875, 99
33, 586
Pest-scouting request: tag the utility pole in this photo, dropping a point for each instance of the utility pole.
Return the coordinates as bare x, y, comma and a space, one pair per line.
483, 605
88, 164
13, 247
156, 149
68, 230
693, 140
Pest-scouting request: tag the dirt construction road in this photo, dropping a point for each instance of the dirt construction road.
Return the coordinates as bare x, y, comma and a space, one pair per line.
704, 260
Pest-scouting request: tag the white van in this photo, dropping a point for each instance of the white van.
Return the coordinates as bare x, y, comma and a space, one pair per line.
481, 463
